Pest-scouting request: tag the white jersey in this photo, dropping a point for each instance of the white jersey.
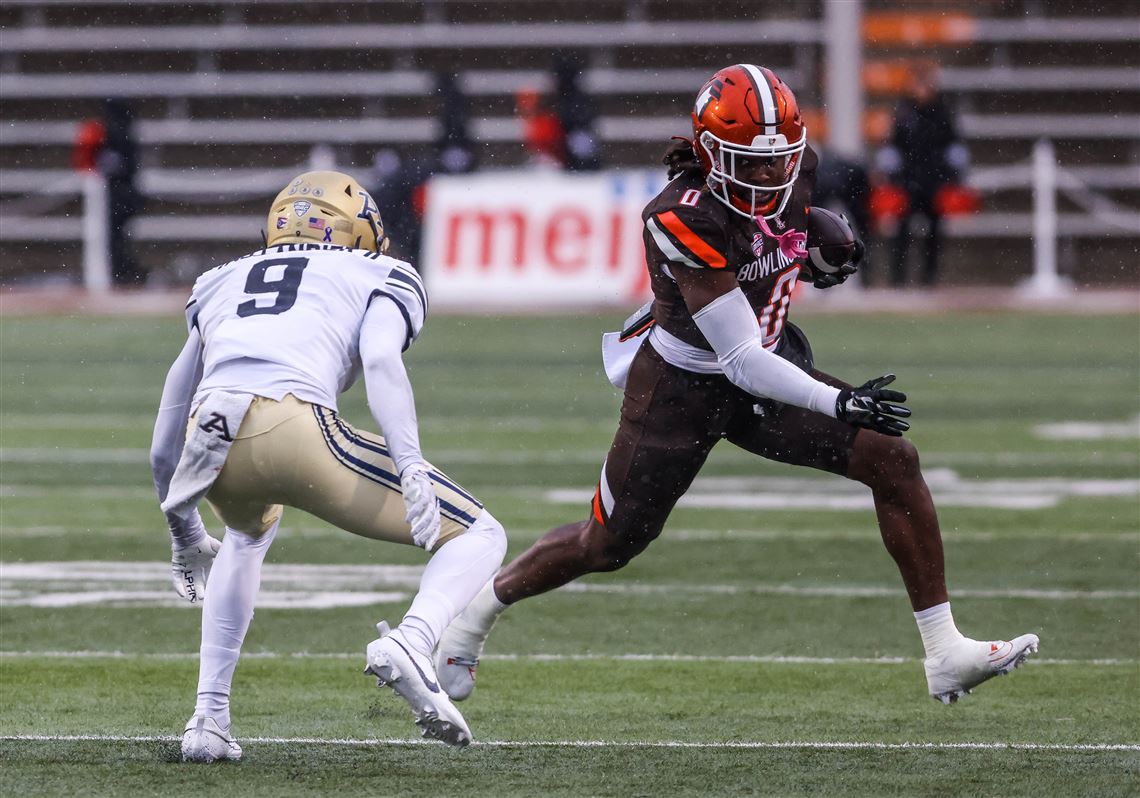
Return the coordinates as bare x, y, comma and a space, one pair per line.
286, 320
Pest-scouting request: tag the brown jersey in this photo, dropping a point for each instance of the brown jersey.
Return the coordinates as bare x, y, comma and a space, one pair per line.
686, 227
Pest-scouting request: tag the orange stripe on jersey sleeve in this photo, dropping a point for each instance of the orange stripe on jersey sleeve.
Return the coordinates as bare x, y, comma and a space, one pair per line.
692, 241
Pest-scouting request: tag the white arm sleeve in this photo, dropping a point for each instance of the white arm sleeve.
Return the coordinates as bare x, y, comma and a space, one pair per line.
382, 338
729, 324
174, 412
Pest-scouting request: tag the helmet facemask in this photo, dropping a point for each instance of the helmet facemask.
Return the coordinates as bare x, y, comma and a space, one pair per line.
727, 164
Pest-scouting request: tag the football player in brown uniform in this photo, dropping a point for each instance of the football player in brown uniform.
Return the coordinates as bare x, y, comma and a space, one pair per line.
717, 359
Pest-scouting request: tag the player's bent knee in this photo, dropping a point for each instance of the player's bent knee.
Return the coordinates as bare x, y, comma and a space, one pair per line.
488, 529
883, 462
901, 458
604, 551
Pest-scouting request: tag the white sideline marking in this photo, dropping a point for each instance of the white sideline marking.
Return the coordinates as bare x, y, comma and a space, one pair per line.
293, 586
743, 744
754, 659
1088, 431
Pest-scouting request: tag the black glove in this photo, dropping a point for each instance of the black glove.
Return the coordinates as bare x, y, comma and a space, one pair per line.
871, 406
822, 280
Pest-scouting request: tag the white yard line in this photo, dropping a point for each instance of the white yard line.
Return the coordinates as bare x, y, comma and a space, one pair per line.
444, 457
748, 659
515, 423
948, 488
91, 421
678, 535
85, 492
302, 586
299, 586
734, 744
844, 591
744, 493
1089, 430
67, 456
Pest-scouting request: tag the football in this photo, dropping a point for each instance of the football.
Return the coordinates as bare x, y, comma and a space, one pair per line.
830, 241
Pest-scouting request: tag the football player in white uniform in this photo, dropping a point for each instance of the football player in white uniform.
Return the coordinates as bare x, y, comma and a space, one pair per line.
249, 422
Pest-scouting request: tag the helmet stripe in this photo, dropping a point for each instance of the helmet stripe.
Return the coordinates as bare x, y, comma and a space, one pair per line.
766, 98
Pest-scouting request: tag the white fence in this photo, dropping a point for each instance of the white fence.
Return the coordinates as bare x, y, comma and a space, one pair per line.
590, 200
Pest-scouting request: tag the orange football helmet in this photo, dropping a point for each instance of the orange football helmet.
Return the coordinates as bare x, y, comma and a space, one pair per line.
746, 118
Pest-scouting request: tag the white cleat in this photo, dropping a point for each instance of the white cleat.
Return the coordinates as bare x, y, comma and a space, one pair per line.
457, 657
394, 663
971, 662
203, 740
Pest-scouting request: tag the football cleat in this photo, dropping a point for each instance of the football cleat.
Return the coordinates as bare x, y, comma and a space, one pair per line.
457, 657
971, 662
394, 663
203, 740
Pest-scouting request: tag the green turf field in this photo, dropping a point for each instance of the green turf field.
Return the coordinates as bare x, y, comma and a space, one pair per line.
763, 646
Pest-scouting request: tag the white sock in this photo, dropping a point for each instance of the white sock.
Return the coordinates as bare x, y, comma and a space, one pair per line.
452, 577
936, 625
485, 608
230, 593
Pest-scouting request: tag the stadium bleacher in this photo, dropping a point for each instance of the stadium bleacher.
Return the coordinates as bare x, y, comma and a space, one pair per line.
232, 96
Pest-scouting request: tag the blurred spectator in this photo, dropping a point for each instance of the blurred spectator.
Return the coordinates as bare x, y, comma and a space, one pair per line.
397, 181
118, 161
926, 155
842, 184
455, 153
543, 134
562, 136
401, 181
576, 114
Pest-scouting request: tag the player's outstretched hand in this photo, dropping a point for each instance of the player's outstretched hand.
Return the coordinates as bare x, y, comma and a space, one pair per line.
190, 568
422, 505
872, 405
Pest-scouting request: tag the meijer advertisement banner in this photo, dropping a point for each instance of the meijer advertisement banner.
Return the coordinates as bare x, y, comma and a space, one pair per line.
537, 239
